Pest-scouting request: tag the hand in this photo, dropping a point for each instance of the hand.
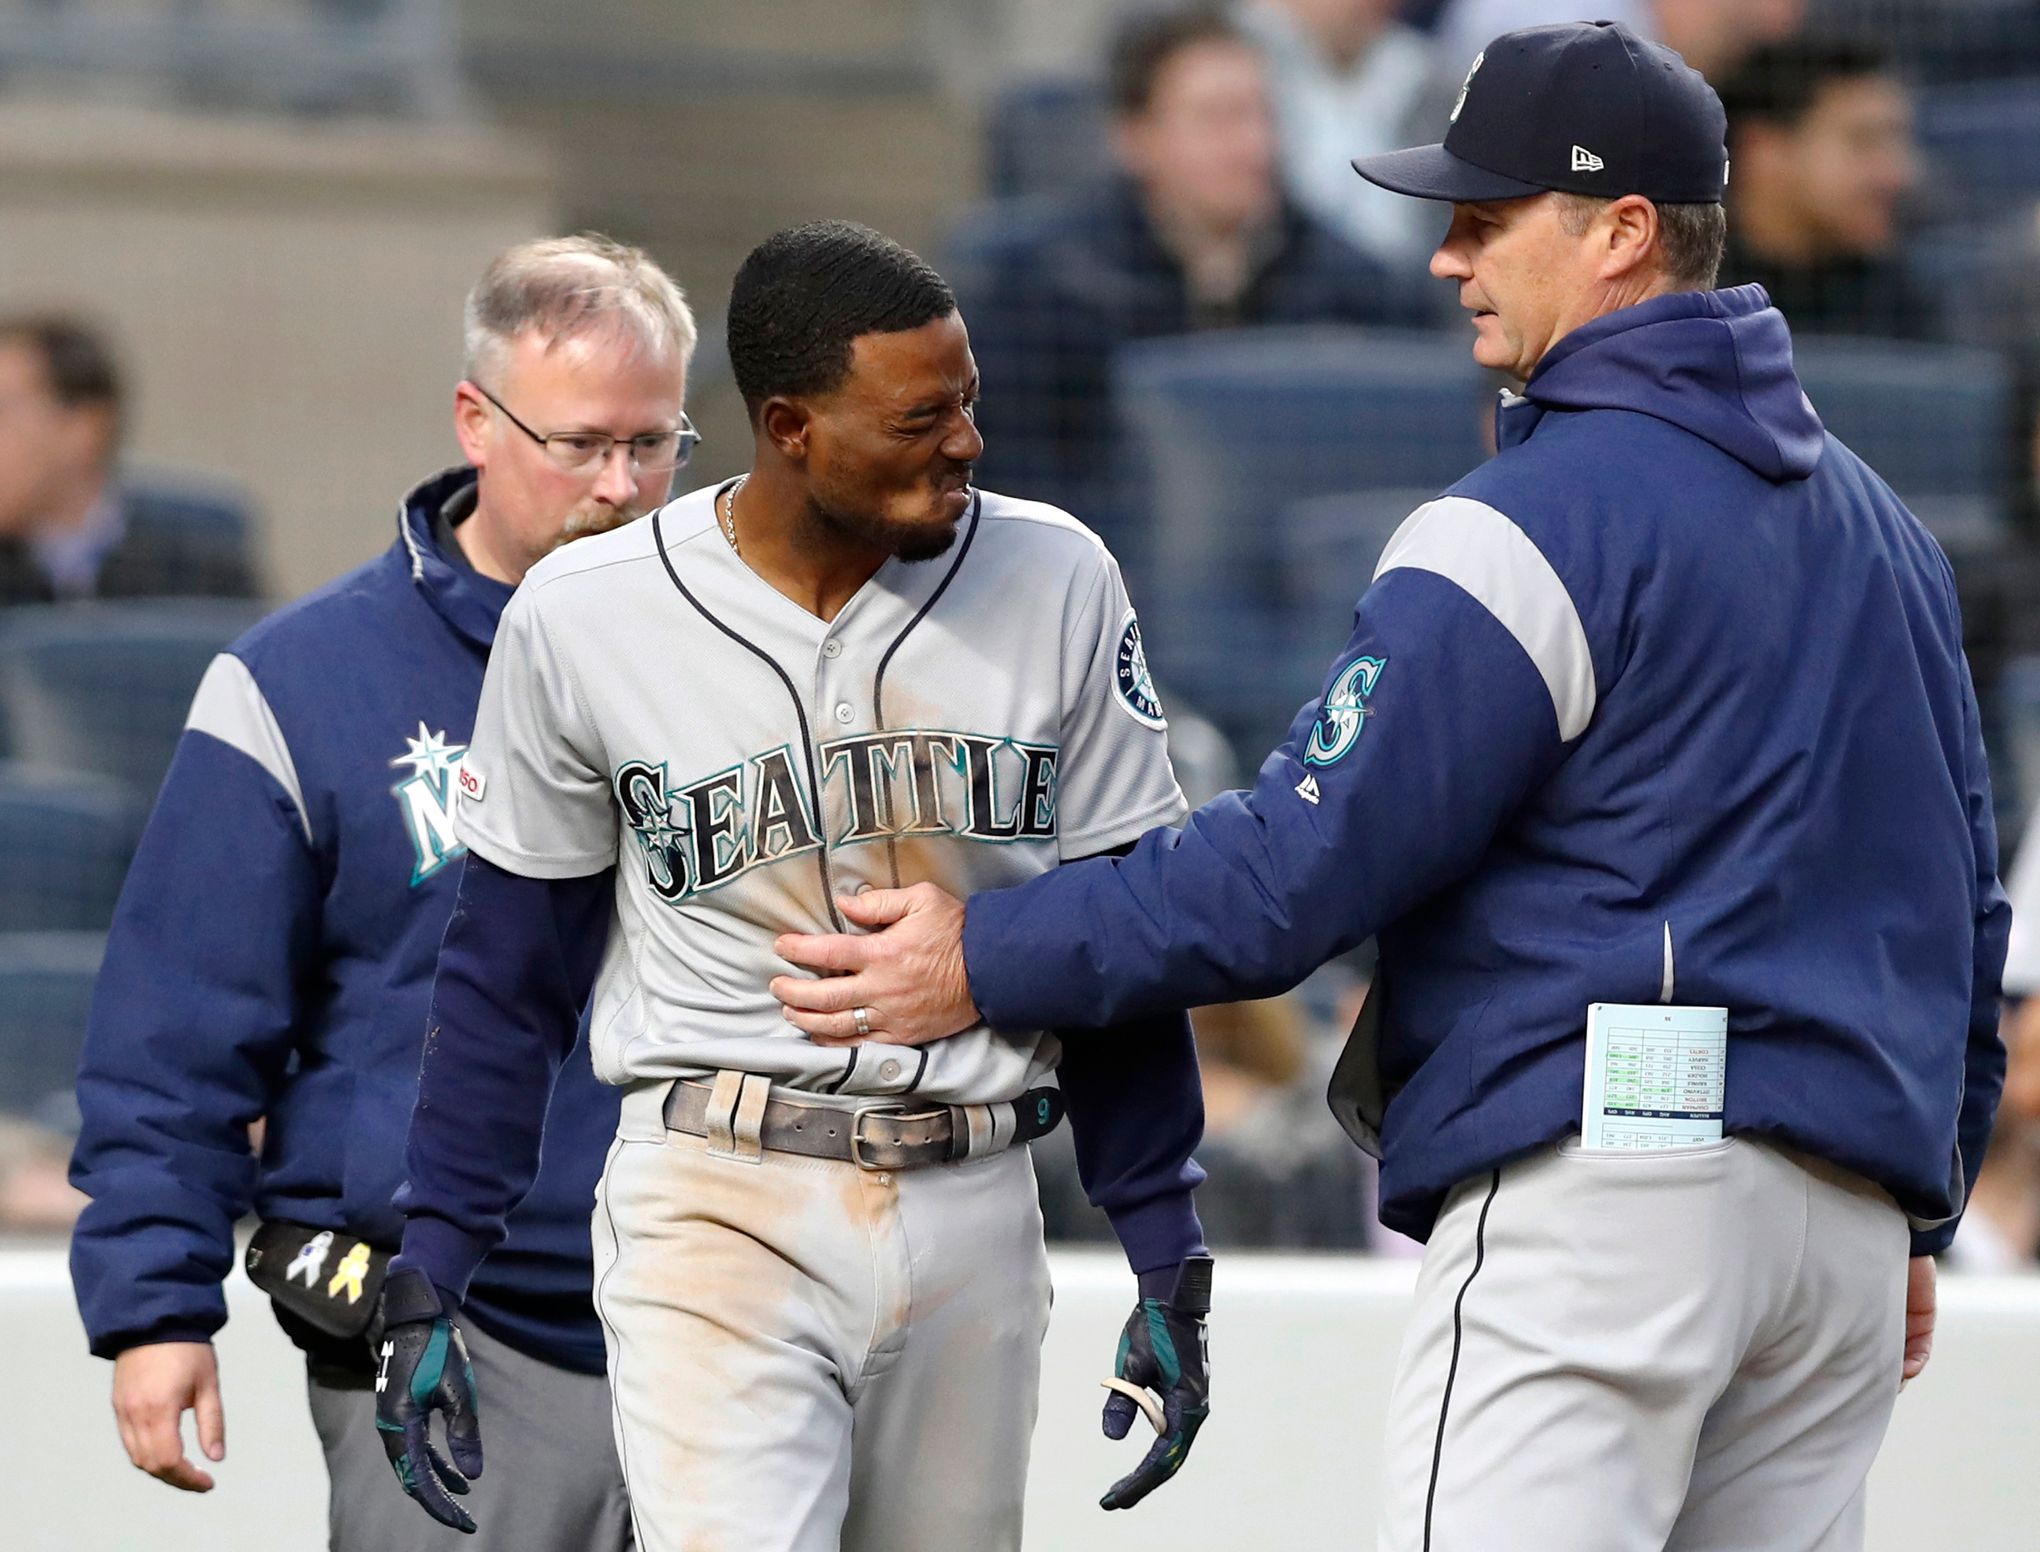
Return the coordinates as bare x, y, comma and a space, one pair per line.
1919, 1318
907, 974
154, 1385
1163, 1349
424, 1369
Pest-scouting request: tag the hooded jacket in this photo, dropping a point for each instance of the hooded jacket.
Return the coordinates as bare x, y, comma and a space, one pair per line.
272, 957
1664, 703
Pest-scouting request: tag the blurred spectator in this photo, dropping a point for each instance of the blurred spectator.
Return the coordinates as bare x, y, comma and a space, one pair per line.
1347, 78
34, 1195
1194, 233
69, 528
2011, 309
2001, 1230
1820, 149
1711, 35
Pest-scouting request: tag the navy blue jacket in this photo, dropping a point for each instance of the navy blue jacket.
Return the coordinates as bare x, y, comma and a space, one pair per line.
1664, 702
272, 958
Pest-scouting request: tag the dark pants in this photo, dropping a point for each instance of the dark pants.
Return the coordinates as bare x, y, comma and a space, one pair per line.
549, 1483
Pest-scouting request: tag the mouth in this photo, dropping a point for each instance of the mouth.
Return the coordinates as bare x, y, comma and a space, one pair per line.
954, 491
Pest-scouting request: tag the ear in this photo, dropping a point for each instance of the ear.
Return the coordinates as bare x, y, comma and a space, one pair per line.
1628, 229
473, 427
786, 424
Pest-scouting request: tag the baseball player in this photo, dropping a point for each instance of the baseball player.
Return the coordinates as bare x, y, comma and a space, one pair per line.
273, 949
1659, 716
821, 1272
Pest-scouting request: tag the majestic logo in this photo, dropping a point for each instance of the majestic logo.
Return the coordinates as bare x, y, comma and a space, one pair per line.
1478, 60
890, 786
426, 799
1344, 712
1307, 789
1584, 160
1136, 684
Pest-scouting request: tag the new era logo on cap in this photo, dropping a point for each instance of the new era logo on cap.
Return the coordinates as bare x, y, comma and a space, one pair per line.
1584, 107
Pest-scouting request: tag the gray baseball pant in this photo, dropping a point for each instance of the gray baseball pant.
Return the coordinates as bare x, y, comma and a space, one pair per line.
549, 1483
812, 1357
1694, 1350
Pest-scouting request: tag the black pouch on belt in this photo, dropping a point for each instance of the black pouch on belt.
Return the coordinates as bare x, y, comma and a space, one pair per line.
326, 1278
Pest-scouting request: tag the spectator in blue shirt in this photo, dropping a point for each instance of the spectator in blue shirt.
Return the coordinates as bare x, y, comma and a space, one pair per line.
1194, 232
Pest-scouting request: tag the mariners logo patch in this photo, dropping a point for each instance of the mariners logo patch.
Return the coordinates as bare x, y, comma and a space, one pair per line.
1344, 712
425, 797
1136, 685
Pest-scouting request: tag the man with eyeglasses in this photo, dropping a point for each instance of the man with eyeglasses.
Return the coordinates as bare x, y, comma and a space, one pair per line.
271, 960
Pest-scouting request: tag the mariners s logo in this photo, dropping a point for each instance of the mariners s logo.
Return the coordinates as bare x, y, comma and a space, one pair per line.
1344, 712
425, 798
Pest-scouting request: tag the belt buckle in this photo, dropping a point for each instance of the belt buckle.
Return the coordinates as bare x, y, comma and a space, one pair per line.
857, 1138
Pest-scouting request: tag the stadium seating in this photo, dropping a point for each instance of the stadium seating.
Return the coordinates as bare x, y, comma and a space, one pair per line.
1932, 419
105, 687
1044, 136
45, 994
66, 837
1223, 436
1982, 144
1328, 548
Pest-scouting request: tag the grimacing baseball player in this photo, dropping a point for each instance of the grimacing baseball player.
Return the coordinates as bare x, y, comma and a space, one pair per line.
821, 1273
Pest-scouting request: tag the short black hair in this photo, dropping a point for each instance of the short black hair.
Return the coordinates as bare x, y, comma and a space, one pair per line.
1779, 82
1146, 41
804, 296
77, 360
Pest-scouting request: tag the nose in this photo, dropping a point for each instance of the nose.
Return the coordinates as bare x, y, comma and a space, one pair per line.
965, 443
617, 483
1448, 263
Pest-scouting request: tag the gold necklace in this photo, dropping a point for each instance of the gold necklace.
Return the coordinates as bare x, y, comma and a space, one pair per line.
729, 517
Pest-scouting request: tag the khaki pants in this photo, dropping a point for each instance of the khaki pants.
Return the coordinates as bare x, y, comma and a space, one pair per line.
1686, 1351
807, 1356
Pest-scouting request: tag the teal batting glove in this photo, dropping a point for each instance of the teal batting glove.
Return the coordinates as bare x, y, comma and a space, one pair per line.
1164, 1350
423, 1368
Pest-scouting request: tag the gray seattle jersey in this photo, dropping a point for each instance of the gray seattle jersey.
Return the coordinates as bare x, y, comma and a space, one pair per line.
653, 703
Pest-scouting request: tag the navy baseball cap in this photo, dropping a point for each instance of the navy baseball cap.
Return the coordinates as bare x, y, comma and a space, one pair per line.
1587, 108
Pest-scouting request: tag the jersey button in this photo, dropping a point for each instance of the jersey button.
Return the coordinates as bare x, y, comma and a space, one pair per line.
888, 1070
832, 648
843, 712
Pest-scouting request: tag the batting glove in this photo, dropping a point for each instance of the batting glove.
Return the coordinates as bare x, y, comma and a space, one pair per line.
424, 1369
1163, 1349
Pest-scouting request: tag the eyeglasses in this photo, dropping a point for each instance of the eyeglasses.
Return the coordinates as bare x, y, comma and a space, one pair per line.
579, 452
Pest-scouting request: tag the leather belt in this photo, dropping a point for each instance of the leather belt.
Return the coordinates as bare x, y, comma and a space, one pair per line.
876, 1137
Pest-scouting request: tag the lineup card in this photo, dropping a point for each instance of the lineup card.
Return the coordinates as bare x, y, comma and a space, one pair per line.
1655, 1075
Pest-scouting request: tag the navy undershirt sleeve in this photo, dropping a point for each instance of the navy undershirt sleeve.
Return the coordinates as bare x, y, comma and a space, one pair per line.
1136, 1111
516, 966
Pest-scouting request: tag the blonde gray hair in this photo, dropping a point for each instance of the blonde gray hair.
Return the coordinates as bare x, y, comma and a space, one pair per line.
1691, 238
565, 287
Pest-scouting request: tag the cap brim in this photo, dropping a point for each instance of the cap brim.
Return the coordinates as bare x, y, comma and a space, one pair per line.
1432, 172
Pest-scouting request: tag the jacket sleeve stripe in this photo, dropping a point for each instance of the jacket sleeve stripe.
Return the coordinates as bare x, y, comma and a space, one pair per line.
230, 706
1488, 557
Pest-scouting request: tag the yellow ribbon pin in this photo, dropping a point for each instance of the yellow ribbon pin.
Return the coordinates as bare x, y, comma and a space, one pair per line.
349, 1274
